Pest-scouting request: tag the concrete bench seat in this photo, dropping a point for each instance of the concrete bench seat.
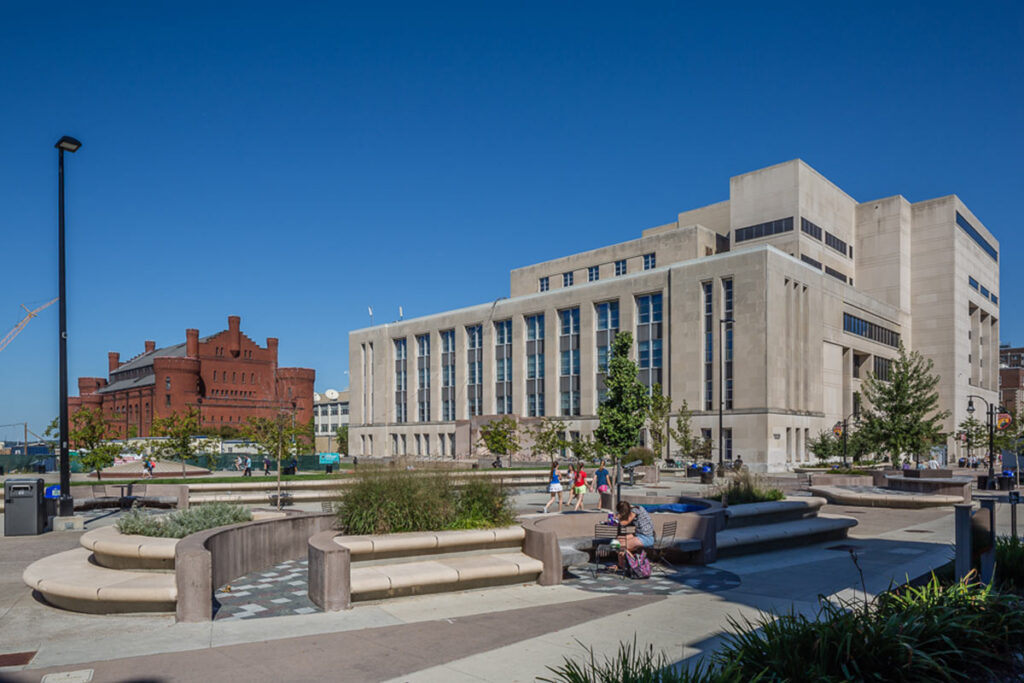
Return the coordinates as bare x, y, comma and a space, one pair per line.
844, 496
369, 548
752, 539
70, 581
439, 574
770, 512
114, 550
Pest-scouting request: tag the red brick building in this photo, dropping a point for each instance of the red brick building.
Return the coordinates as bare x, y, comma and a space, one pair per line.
228, 376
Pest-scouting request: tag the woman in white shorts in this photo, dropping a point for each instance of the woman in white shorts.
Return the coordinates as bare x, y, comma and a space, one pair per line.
554, 487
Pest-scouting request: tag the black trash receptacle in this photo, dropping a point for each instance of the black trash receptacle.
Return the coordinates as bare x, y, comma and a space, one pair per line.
41, 468
707, 477
982, 482
330, 469
24, 507
1006, 483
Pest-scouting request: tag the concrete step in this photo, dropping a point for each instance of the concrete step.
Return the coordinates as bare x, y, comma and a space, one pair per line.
71, 581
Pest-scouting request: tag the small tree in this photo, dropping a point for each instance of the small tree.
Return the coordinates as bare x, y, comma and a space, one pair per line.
181, 444
826, 445
975, 431
624, 411
903, 417
549, 437
659, 415
88, 432
342, 436
587, 449
682, 434
273, 436
500, 437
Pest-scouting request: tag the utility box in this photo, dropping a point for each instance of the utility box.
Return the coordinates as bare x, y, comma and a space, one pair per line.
24, 507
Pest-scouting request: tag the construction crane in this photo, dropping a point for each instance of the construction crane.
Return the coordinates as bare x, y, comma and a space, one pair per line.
9, 337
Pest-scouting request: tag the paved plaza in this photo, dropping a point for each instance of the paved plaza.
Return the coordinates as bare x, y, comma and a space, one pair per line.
264, 627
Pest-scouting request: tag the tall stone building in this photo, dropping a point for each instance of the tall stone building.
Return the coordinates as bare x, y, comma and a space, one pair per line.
227, 376
821, 289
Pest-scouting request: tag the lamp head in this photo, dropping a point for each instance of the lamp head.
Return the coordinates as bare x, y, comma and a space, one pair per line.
68, 144
970, 406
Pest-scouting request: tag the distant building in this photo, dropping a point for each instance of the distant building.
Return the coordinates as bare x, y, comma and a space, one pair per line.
1011, 357
330, 411
227, 376
1011, 388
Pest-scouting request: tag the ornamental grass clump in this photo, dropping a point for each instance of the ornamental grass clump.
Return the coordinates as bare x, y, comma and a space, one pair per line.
745, 487
389, 500
1010, 564
183, 522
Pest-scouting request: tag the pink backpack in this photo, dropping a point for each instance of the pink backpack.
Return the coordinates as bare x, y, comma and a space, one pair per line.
637, 565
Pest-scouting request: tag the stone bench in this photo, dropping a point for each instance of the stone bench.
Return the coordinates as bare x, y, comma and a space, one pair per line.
346, 569
114, 550
842, 496
753, 539
70, 581
771, 512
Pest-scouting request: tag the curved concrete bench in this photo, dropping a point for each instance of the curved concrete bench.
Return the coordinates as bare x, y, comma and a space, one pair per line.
114, 550
344, 569
771, 512
69, 580
841, 496
753, 539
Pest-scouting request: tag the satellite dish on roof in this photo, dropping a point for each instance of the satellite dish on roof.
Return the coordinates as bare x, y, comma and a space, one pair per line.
316, 396
331, 394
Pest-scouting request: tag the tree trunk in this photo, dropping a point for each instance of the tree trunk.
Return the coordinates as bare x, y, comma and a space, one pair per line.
280, 454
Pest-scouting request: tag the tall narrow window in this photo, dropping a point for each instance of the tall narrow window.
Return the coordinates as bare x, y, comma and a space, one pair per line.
401, 381
567, 279
423, 375
607, 314
709, 347
648, 339
727, 311
448, 375
569, 349
649, 261
545, 284
593, 274
620, 267
474, 369
535, 365
503, 367
727, 442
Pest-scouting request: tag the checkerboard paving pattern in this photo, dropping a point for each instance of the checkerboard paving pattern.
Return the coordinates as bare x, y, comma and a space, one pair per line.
269, 592
663, 581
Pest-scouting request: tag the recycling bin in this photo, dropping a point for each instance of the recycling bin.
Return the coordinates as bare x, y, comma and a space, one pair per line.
24, 507
51, 497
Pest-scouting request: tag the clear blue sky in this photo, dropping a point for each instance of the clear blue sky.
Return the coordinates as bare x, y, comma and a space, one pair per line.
293, 163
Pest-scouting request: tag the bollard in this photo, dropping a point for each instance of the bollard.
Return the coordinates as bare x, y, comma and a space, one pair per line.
1014, 498
988, 558
963, 539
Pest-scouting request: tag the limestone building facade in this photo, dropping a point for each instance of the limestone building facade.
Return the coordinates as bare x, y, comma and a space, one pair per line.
821, 289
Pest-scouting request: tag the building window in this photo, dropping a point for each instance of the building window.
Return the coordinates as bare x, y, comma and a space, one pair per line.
649, 261
474, 370
648, 339
545, 284
593, 274
423, 377
764, 229
167, 399
503, 367
973, 233
836, 243
620, 267
567, 279
972, 282
709, 346
883, 367
607, 314
863, 328
535, 365
810, 228
401, 381
727, 442
836, 274
809, 261
727, 313
569, 379
448, 375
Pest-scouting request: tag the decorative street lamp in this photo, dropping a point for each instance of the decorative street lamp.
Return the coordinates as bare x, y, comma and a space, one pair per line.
67, 503
842, 427
991, 412
721, 394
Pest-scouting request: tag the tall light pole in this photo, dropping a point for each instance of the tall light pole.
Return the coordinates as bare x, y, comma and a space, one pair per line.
67, 503
990, 411
721, 394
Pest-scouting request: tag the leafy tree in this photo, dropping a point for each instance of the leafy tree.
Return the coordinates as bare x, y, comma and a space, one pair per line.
88, 432
587, 449
133, 431
682, 433
342, 437
273, 435
181, 444
549, 437
976, 432
623, 413
659, 415
52, 434
500, 437
826, 445
903, 417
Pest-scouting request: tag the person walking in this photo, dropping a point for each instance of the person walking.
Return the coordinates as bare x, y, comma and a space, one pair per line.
248, 467
266, 465
554, 487
601, 479
579, 486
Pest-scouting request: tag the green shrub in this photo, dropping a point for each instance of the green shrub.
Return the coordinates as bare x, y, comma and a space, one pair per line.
1010, 564
963, 631
390, 500
745, 487
640, 453
183, 522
